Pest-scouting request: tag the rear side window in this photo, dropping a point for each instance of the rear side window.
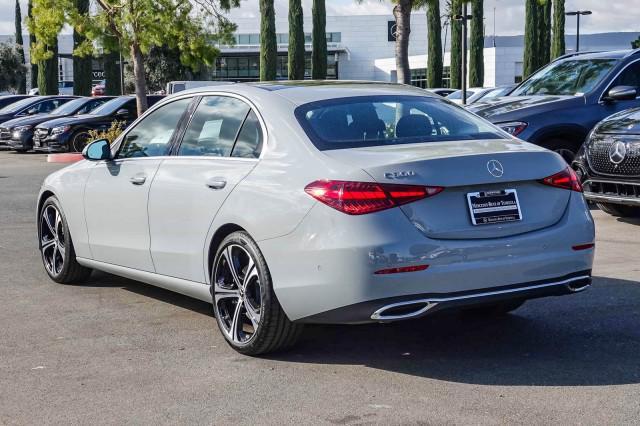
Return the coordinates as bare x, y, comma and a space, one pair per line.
214, 127
249, 143
389, 120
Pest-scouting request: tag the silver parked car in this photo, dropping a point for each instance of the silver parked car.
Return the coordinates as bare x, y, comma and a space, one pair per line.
291, 203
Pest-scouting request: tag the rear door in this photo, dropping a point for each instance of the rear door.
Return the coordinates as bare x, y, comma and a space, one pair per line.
117, 192
220, 146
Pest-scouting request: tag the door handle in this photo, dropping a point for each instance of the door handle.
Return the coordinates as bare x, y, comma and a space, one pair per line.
138, 179
216, 183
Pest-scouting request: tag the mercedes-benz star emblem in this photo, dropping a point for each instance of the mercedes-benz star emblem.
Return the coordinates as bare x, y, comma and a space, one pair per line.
495, 168
618, 152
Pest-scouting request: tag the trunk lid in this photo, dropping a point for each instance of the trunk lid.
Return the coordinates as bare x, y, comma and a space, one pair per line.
462, 168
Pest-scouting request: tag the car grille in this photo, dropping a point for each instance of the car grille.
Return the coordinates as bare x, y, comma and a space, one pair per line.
39, 136
598, 156
611, 188
5, 133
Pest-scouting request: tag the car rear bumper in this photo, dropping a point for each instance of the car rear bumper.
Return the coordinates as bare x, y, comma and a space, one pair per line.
329, 262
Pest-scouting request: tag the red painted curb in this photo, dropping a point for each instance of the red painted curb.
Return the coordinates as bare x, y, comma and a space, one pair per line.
64, 158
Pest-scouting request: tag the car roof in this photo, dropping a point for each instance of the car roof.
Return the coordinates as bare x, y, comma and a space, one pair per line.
612, 54
302, 92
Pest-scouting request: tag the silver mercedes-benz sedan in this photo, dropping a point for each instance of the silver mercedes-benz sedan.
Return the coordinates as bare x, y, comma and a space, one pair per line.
313, 202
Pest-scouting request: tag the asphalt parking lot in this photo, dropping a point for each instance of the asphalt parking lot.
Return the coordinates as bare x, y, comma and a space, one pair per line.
115, 351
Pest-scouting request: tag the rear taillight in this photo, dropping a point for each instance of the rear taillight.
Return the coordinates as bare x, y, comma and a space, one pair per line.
367, 197
566, 179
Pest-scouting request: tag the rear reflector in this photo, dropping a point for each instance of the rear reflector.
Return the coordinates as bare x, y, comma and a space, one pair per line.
566, 179
583, 246
356, 198
415, 268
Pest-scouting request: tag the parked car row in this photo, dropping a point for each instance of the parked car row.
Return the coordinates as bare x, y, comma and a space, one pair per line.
61, 123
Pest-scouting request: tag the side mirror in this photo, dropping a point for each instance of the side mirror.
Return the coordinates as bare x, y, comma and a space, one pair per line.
97, 150
622, 93
122, 113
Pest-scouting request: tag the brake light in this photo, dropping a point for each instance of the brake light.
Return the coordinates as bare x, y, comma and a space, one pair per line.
401, 270
566, 179
356, 198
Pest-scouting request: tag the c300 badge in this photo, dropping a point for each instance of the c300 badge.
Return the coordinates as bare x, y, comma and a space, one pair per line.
399, 175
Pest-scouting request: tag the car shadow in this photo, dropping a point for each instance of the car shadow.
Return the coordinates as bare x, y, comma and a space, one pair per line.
629, 220
588, 339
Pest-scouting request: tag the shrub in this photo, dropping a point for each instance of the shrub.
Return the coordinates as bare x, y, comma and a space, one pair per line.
109, 134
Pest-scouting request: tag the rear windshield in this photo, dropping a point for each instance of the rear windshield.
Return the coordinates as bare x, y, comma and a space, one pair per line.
389, 120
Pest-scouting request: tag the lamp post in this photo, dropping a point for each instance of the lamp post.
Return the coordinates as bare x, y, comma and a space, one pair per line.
577, 14
464, 18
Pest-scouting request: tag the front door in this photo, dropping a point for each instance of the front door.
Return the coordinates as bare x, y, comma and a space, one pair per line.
220, 147
117, 191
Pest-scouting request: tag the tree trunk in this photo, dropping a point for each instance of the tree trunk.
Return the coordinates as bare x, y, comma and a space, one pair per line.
268, 43
530, 60
22, 84
558, 44
476, 47
319, 40
32, 40
296, 41
48, 73
434, 46
81, 65
402, 13
455, 67
139, 78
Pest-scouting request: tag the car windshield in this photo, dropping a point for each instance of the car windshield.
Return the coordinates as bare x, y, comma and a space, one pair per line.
458, 94
69, 107
389, 120
570, 77
17, 106
111, 106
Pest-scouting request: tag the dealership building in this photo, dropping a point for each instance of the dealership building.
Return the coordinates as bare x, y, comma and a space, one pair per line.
361, 47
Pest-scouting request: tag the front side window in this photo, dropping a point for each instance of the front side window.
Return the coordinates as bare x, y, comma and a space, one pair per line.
568, 77
214, 127
151, 136
629, 77
389, 120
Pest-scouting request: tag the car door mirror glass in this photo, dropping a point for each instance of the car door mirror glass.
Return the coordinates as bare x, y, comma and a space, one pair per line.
122, 113
97, 150
622, 93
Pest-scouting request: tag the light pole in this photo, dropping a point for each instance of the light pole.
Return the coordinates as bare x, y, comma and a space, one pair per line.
577, 14
464, 18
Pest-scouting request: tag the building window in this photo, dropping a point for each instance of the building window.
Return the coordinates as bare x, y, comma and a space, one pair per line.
519, 72
247, 68
446, 76
419, 77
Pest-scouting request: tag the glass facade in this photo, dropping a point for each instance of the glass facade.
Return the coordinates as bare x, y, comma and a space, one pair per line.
247, 68
419, 77
282, 38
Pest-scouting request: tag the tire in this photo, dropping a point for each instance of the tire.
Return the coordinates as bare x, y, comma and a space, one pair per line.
78, 141
496, 309
56, 246
619, 210
565, 148
245, 306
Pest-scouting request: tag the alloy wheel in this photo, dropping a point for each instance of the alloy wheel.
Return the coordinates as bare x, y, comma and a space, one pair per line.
237, 294
80, 141
52, 239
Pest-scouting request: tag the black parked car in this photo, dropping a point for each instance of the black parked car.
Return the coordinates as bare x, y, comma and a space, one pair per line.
29, 106
71, 133
559, 105
9, 99
609, 164
21, 129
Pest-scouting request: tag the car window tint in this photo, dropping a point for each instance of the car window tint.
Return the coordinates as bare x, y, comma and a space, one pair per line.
249, 143
629, 77
49, 105
213, 127
149, 138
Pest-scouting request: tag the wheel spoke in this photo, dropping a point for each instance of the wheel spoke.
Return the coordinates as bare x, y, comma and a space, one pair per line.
252, 314
228, 254
46, 244
251, 272
225, 293
54, 261
47, 220
236, 322
61, 249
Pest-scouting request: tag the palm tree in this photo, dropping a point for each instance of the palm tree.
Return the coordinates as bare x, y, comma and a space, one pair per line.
268, 42
296, 41
402, 15
434, 49
319, 40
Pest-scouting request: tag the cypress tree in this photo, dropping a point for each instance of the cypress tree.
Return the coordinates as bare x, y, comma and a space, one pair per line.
530, 61
111, 73
32, 40
48, 73
558, 43
268, 42
434, 47
22, 85
456, 45
81, 64
319, 40
476, 45
296, 41
545, 34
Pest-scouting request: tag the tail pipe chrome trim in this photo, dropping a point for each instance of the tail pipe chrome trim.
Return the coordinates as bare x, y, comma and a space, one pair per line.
424, 305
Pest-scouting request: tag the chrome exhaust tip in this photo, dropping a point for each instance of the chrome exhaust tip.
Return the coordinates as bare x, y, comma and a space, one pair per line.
403, 310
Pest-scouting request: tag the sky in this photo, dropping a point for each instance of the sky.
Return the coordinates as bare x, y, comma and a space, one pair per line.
613, 15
